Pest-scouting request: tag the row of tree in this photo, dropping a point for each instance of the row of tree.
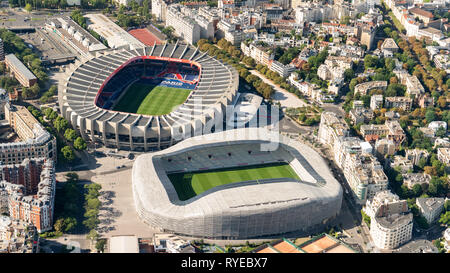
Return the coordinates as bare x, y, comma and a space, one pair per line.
230, 54
14, 44
67, 209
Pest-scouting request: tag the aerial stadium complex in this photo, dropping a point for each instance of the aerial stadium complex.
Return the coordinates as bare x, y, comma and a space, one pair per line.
225, 185
140, 99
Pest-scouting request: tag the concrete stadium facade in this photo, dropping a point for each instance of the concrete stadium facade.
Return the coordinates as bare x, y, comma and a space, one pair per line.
216, 88
241, 210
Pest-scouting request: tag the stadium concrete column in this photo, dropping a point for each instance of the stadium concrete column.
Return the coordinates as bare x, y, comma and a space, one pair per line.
159, 132
145, 133
130, 129
92, 129
103, 124
116, 131
83, 129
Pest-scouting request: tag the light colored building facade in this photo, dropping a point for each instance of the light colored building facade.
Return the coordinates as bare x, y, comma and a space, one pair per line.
376, 102
404, 103
116, 36
36, 141
430, 208
391, 129
185, 26
29, 189
365, 87
365, 176
392, 224
19, 71
411, 179
444, 156
159, 8
260, 54
331, 128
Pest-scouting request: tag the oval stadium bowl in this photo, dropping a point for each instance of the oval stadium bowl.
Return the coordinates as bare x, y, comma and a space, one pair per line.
229, 185
139, 99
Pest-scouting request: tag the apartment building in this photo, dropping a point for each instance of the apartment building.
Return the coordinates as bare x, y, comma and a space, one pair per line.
17, 236
230, 31
185, 26
391, 130
384, 147
411, 179
35, 140
376, 102
404, 103
365, 87
361, 114
423, 15
415, 155
159, 8
283, 70
345, 146
331, 128
260, 54
391, 224
444, 156
29, 189
365, 176
413, 86
19, 71
430, 208
384, 200
402, 163
389, 47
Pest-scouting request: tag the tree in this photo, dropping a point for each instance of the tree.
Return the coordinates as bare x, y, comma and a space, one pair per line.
59, 225
417, 190
365, 217
91, 222
28, 7
60, 124
70, 135
100, 245
349, 74
430, 115
68, 153
445, 218
80, 144
93, 235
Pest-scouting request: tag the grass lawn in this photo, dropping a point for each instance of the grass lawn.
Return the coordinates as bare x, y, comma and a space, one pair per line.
189, 185
151, 100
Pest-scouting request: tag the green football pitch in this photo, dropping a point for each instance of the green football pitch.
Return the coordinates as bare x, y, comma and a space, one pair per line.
151, 100
188, 185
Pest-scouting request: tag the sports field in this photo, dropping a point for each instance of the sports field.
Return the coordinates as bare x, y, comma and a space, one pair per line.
151, 100
191, 184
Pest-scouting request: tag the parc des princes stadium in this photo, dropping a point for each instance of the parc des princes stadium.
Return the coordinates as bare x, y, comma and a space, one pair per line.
238, 209
94, 88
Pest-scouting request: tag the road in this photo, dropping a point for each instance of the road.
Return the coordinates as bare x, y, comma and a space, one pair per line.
17, 18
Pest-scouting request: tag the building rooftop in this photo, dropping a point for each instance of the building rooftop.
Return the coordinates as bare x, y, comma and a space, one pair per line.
11, 58
430, 204
124, 244
394, 220
421, 12
325, 243
115, 35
